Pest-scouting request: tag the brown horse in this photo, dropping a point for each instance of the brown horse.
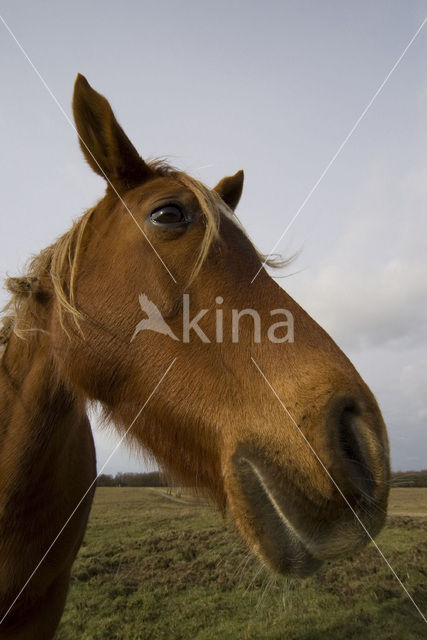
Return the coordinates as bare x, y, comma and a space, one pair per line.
281, 431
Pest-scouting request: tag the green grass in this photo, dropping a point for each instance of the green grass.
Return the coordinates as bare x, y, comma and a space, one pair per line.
152, 568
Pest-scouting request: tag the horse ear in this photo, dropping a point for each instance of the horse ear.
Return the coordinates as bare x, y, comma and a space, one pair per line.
230, 189
105, 145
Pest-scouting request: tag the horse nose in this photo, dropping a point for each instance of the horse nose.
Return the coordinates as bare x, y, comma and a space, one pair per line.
354, 437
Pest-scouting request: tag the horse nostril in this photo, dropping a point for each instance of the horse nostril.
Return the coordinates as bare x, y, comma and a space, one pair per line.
351, 442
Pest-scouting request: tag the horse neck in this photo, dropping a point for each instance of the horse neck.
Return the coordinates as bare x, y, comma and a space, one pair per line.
38, 417
47, 479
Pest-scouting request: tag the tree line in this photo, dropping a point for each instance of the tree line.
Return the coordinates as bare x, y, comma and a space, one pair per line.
157, 479
409, 478
151, 479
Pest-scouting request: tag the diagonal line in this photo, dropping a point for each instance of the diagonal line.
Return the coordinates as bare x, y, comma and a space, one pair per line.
88, 490
342, 145
341, 493
70, 122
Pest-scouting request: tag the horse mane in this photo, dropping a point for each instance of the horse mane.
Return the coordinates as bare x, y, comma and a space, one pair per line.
53, 270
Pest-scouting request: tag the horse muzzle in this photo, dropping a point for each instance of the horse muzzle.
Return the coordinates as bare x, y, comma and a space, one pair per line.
292, 530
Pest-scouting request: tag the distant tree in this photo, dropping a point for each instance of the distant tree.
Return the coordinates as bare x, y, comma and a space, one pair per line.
105, 480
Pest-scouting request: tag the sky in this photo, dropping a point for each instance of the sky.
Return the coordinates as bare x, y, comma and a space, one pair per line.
272, 87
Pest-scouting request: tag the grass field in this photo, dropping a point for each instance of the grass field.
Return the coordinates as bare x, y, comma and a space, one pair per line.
156, 568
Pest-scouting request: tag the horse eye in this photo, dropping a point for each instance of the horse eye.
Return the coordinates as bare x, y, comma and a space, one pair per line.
170, 215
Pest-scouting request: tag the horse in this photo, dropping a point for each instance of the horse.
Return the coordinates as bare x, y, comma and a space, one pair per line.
281, 433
